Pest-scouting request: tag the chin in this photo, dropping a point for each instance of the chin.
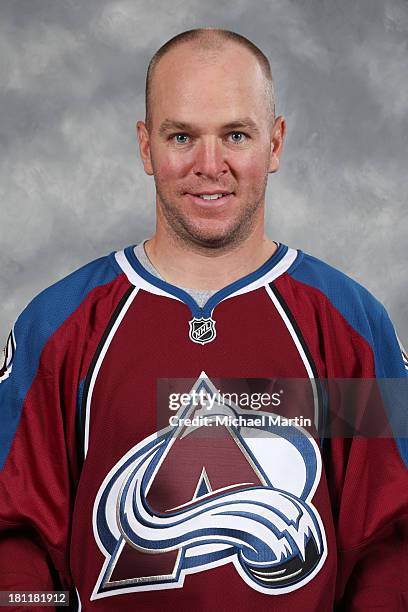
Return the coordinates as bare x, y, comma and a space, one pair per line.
214, 239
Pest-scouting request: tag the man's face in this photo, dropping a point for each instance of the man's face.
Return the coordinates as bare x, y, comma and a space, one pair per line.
211, 134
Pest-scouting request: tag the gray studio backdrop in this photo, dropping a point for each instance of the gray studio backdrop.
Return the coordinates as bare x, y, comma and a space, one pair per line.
71, 89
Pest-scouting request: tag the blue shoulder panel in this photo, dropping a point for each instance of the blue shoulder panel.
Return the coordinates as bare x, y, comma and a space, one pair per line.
357, 305
40, 319
369, 318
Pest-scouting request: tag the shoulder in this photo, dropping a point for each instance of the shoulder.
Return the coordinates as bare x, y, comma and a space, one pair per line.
334, 283
356, 303
333, 291
58, 301
64, 301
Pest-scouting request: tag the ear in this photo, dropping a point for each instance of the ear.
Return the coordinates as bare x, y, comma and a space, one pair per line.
144, 147
278, 134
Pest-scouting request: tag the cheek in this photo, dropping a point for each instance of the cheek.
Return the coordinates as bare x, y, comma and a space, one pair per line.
252, 171
170, 167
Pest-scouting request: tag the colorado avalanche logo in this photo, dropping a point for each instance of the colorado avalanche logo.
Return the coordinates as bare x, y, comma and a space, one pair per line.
200, 501
8, 352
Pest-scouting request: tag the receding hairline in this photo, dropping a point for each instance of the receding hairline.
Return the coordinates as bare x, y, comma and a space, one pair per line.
208, 39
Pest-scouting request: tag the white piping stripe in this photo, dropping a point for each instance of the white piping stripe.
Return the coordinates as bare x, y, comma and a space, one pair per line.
137, 280
99, 363
79, 600
300, 351
281, 267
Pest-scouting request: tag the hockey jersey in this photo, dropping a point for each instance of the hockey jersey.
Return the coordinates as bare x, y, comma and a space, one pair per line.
101, 496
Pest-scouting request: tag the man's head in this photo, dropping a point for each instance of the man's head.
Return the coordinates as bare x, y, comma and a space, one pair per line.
210, 129
208, 40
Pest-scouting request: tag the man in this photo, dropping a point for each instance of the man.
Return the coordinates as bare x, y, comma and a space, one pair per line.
95, 494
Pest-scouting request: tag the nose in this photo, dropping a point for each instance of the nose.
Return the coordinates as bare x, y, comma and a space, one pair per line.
209, 159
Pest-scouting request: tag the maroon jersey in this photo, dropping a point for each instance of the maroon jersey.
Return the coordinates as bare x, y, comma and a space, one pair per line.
110, 492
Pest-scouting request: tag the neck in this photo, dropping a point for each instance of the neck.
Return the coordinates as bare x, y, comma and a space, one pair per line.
182, 264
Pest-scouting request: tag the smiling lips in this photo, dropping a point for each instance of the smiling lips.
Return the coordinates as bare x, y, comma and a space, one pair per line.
211, 196
207, 196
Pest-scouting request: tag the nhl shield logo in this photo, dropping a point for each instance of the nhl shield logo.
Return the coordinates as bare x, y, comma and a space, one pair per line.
202, 330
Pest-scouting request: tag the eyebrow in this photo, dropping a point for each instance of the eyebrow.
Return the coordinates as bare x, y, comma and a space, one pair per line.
245, 123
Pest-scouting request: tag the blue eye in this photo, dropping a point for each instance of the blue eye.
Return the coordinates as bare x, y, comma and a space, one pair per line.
237, 137
181, 138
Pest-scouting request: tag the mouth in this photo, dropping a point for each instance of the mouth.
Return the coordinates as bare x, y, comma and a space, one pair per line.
210, 199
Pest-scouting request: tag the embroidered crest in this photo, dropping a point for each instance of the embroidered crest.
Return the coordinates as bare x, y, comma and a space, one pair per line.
202, 330
197, 502
8, 352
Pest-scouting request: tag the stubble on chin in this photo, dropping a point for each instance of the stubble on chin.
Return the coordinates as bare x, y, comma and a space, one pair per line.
202, 239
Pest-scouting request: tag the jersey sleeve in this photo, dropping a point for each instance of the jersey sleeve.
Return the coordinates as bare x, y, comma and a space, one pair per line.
372, 508
35, 475
39, 421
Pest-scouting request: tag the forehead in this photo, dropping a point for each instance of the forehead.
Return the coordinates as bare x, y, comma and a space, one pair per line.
212, 86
